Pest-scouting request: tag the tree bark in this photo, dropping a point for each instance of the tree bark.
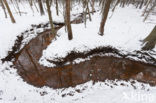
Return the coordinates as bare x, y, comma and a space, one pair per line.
117, 2
104, 16
57, 11
150, 10
41, 7
87, 10
142, 2
93, 9
146, 7
9, 11
3, 7
69, 29
50, 17
150, 40
17, 6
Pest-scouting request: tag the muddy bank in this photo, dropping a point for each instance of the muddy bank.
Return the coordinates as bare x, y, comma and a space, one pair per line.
23, 39
100, 67
140, 56
20, 44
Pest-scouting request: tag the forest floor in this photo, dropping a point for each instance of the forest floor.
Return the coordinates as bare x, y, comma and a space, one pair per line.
124, 31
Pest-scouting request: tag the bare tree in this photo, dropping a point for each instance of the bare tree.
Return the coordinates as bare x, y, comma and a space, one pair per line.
35, 5
87, 10
141, 4
146, 7
57, 11
3, 7
104, 16
68, 23
41, 7
50, 17
92, 4
150, 40
9, 11
150, 10
16, 3
117, 2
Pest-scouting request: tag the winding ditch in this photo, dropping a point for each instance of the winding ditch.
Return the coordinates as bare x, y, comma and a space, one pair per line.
98, 68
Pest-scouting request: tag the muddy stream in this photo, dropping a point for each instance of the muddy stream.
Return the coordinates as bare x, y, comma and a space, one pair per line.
98, 68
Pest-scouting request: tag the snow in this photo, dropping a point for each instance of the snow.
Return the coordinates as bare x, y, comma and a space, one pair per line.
14, 90
124, 31
10, 31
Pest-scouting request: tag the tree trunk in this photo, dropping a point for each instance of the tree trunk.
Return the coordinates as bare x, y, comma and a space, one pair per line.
9, 11
87, 10
146, 7
150, 40
50, 17
3, 7
93, 9
104, 16
35, 6
41, 7
69, 29
57, 11
142, 2
117, 2
16, 3
150, 10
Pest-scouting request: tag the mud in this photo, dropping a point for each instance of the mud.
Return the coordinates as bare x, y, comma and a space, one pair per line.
98, 68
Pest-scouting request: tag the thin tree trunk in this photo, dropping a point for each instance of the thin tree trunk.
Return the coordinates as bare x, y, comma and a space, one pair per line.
41, 7
57, 11
142, 2
149, 12
64, 15
50, 17
51, 2
93, 9
88, 11
104, 16
31, 5
69, 29
3, 7
150, 40
13, 6
84, 12
16, 3
9, 11
117, 2
35, 6
146, 7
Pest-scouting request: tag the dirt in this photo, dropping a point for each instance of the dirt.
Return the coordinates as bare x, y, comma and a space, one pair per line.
102, 51
98, 68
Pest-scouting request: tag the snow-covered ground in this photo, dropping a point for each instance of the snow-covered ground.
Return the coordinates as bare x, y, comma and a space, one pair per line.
14, 90
10, 31
123, 31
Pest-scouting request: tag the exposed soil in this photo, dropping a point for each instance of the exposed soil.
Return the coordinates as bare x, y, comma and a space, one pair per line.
98, 68
101, 51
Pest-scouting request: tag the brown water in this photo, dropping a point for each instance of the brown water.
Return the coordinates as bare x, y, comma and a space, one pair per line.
96, 69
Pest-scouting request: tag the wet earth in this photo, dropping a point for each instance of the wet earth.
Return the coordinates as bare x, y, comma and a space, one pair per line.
98, 68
